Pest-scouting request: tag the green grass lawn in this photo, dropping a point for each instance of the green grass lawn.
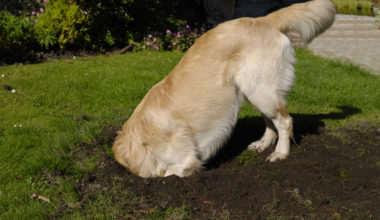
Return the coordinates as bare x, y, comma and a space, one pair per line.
58, 104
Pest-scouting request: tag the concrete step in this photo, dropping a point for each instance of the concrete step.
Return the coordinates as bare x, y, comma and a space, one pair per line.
354, 22
351, 36
357, 28
348, 25
354, 17
373, 32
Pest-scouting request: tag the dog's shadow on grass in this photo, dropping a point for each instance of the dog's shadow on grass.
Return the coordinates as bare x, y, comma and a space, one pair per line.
251, 129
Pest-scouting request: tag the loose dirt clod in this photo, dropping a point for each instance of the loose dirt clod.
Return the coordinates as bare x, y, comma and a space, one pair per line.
6, 87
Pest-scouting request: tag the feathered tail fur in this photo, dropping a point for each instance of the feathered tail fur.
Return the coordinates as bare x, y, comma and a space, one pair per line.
306, 20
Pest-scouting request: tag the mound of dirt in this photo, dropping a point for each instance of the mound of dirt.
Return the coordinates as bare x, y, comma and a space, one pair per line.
328, 175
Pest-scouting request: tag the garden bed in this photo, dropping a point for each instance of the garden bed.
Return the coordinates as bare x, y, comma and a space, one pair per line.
329, 175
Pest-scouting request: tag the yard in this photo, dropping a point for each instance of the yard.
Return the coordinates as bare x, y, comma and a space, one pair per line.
58, 120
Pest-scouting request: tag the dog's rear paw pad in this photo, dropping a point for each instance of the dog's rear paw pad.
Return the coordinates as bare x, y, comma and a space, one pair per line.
257, 146
276, 156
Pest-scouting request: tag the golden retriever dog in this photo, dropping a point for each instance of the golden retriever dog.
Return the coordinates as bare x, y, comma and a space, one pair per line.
186, 118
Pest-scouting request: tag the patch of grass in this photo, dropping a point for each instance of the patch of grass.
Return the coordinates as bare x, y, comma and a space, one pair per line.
296, 195
249, 157
365, 7
362, 152
335, 92
185, 212
100, 203
342, 174
341, 136
378, 165
59, 104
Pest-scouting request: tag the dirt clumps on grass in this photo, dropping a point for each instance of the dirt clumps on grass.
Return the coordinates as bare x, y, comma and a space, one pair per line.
330, 174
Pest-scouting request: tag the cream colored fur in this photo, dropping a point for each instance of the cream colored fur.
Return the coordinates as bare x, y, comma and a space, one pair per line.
188, 116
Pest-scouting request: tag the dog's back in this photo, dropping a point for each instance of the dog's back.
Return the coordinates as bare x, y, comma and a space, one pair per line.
185, 118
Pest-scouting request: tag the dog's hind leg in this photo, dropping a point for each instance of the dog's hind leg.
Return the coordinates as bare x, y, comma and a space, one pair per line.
284, 125
274, 110
269, 138
266, 83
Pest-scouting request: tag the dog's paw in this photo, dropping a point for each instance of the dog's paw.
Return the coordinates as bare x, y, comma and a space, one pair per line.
276, 156
258, 146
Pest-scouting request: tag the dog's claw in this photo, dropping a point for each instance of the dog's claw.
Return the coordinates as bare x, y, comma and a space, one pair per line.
276, 156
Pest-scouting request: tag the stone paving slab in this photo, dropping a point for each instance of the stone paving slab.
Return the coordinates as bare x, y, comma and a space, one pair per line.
353, 38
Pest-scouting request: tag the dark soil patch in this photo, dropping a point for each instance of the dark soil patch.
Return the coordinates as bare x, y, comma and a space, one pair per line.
328, 175
20, 57
24, 57
6, 87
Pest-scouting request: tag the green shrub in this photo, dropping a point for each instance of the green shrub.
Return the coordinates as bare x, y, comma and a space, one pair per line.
365, 7
15, 31
377, 21
108, 23
346, 6
355, 7
17, 35
179, 37
61, 23
115, 23
40, 25
17, 6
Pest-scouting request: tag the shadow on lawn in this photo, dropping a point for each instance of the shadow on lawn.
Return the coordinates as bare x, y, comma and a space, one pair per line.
251, 129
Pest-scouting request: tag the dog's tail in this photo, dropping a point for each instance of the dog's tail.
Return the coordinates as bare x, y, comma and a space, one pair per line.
306, 20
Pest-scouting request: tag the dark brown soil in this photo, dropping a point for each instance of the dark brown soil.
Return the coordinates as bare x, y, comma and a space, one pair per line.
23, 57
330, 174
26, 57
6, 87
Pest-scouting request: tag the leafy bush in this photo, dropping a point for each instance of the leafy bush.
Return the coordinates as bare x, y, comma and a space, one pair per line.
355, 7
40, 25
108, 23
16, 31
115, 23
179, 38
365, 7
17, 6
61, 23
17, 35
377, 14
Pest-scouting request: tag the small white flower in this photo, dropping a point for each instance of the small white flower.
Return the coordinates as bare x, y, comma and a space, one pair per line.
13, 90
19, 126
74, 57
2, 75
14, 126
